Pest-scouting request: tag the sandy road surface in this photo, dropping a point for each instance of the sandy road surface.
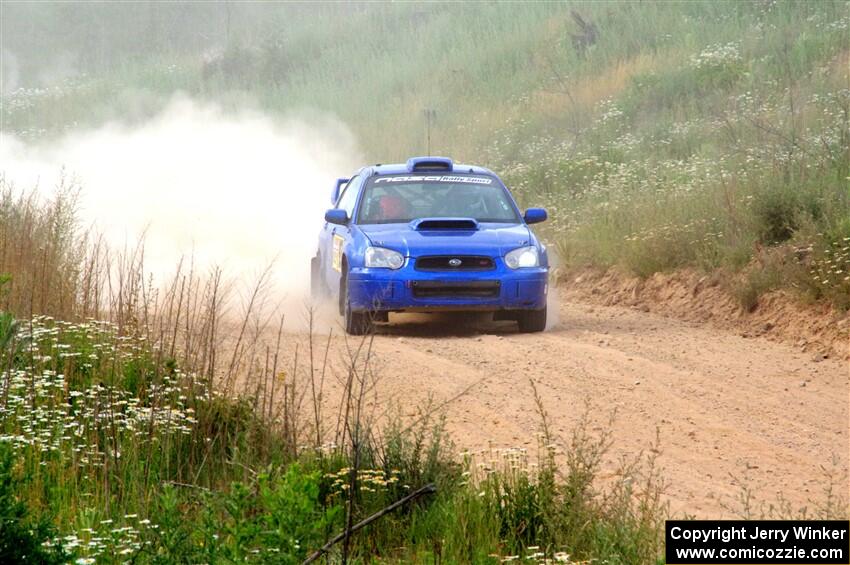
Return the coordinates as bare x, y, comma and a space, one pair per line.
725, 405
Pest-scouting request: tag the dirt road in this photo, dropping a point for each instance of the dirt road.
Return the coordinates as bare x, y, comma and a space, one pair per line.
725, 406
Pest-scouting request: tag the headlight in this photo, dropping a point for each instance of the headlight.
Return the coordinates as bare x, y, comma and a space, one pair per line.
381, 258
523, 257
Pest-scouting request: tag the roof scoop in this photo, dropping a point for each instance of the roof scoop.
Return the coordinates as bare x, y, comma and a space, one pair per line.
424, 224
436, 164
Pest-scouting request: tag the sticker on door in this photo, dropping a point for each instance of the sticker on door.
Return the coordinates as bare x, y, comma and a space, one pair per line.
336, 255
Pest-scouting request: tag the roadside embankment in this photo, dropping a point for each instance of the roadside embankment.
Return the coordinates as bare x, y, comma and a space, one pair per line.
689, 295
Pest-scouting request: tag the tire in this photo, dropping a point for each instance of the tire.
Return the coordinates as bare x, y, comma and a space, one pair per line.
356, 323
531, 321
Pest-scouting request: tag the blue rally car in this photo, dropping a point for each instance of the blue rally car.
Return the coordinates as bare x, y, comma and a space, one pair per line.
430, 236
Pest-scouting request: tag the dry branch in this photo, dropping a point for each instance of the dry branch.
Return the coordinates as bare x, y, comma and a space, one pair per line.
427, 489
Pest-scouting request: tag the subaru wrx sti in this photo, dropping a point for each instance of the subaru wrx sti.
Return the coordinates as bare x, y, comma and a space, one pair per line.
430, 235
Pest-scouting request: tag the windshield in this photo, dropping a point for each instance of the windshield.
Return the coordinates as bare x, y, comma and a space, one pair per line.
402, 198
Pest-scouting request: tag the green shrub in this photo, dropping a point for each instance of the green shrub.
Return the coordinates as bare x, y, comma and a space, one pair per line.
776, 213
25, 537
294, 519
747, 293
826, 274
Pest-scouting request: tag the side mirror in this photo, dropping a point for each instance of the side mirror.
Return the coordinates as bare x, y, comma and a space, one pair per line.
535, 215
336, 216
335, 194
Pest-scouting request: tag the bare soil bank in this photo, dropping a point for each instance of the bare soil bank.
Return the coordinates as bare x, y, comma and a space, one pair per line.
696, 297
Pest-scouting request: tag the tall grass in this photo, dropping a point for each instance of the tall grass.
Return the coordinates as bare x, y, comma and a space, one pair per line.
735, 156
478, 66
121, 458
39, 259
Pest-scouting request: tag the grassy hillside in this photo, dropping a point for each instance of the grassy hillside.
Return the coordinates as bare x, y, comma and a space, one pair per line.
695, 134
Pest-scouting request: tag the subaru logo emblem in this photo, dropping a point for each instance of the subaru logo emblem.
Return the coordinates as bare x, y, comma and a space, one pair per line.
455, 262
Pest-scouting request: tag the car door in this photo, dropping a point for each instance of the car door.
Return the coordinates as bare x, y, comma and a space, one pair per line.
337, 236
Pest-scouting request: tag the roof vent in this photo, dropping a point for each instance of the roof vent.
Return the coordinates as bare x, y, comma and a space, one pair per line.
443, 164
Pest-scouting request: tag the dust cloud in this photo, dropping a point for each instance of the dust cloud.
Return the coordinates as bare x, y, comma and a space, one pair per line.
237, 190
553, 305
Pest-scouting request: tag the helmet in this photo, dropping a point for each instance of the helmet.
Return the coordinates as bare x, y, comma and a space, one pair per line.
466, 200
393, 207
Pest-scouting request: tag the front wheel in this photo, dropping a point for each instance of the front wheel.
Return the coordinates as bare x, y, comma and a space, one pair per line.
531, 321
356, 323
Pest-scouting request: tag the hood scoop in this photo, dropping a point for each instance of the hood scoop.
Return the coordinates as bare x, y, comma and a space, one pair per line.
425, 224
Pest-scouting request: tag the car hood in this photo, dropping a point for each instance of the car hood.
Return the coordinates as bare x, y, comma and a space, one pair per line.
490, 239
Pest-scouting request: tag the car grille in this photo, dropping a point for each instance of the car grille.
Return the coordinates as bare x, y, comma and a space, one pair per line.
455, 289
450, 263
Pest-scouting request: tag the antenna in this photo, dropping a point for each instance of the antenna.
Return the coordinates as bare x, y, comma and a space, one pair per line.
430, 117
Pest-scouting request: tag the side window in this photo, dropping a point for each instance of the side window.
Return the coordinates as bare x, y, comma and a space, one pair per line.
349, 196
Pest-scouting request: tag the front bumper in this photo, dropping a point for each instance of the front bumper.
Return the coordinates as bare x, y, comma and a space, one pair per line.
411, 290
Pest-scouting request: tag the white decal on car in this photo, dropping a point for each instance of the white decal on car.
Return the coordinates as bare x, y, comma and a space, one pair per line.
336, 255
452, 179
